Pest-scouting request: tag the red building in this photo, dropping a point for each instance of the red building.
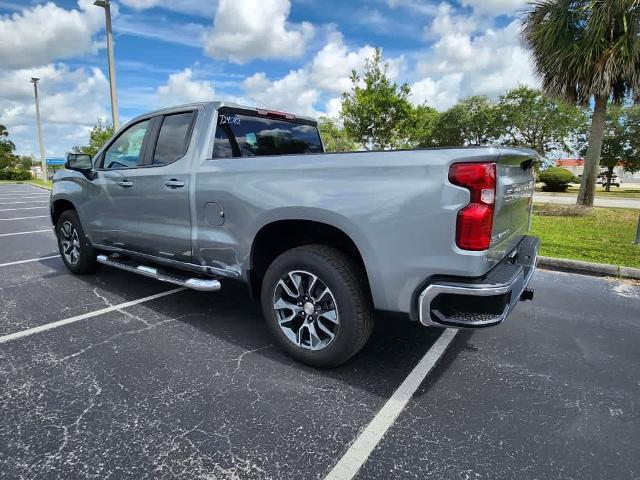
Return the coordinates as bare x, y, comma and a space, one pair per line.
574, 165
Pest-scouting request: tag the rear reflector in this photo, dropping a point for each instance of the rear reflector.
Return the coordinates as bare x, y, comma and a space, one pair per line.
475, 221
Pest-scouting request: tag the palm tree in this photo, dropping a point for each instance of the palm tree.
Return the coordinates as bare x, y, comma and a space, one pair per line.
584, 50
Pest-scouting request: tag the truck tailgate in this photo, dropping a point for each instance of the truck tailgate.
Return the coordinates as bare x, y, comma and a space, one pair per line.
514, 195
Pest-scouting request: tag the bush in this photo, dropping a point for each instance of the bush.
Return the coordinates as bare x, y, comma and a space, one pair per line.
556, 179
15, 175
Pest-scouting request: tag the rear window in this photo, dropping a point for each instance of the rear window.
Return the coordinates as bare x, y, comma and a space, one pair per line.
239, 135
173, 139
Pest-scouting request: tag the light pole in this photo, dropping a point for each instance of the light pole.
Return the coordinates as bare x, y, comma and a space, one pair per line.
106, 4
43, 161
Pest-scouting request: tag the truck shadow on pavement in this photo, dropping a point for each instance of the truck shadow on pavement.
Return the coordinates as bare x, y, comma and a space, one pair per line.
234, 322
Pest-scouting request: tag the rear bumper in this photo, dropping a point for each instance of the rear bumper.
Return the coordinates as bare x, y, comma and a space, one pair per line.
485, 301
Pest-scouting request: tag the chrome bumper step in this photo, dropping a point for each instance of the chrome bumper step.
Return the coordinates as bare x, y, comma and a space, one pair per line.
201, 284
482, 302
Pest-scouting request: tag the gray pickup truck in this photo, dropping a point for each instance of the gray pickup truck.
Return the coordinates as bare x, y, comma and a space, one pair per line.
211, 192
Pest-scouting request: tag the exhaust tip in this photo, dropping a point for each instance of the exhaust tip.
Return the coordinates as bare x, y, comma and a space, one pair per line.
527, 294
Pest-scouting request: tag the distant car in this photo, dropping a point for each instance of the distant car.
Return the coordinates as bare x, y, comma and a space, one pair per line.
615, 180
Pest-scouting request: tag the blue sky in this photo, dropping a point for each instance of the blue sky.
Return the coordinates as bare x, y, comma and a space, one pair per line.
293, 55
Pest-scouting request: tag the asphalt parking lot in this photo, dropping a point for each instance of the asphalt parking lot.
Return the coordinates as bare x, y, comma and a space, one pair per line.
189, 385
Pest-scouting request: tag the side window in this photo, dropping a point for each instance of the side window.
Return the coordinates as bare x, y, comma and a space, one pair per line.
173, 139
125, 151
221, 145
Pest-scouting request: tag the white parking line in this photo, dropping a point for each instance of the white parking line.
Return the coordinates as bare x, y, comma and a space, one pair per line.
20, 208
23, 218
24, 233
84, 316
21, 197
28, 261
22, 192
32, 201
18, 191
348, 466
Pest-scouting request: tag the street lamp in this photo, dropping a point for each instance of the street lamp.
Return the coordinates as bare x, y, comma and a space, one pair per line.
106, 4
43, 161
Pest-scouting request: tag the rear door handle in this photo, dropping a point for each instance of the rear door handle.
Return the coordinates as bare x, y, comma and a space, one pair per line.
173, 183
125, 184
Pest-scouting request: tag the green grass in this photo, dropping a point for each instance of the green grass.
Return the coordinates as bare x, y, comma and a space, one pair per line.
625, 191
38, 183
601, 235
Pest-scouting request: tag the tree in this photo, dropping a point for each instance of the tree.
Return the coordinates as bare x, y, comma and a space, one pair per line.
621, 141
421, 126
334, 137
8, 159
24, 162
584, 49
98, 136
470, 122
375, 109
528, 118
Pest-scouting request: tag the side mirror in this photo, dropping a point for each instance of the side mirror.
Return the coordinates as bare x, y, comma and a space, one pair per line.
78, 161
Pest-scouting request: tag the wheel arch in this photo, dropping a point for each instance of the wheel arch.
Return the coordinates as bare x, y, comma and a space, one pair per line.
277, 236
59, 206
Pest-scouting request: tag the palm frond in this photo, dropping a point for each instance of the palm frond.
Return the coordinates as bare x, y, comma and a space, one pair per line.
583, 48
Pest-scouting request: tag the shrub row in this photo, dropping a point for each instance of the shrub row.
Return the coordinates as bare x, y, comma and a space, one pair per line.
15, 175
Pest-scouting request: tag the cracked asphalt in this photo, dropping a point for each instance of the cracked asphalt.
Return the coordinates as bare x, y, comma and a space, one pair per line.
190, 385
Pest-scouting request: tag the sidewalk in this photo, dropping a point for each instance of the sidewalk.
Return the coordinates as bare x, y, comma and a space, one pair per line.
599, 202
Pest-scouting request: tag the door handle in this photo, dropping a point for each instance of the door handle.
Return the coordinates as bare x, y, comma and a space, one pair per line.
125, 184
173, 183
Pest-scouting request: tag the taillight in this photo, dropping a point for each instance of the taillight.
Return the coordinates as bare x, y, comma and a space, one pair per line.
475, 221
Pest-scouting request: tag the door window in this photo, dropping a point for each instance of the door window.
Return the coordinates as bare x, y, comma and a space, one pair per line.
173, 139
125, 152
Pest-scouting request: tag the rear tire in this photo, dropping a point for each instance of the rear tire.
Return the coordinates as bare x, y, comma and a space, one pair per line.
317, 305
77, 253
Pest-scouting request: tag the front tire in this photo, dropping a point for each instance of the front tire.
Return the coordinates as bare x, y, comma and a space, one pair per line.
317, 306
77, 253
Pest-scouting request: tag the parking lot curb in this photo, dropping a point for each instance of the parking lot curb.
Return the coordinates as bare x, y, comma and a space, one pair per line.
588, 268
42, 187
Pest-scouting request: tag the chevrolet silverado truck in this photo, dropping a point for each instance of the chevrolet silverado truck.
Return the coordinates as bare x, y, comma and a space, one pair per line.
201, 194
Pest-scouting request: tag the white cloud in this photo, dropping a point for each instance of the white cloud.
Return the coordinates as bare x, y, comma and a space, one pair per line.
440, 94
46, 32
448, 22
420, 6
201, 8
495, 7
162, 29
468, 58
333, 107
252, 29
327, 74
183, 87
332, 65
291, 93
71, 101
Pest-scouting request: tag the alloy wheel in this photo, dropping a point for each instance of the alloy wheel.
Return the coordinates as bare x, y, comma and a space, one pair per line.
70, 242
306, 310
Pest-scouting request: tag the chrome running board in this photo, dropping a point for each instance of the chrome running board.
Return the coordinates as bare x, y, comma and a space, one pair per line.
201, 284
